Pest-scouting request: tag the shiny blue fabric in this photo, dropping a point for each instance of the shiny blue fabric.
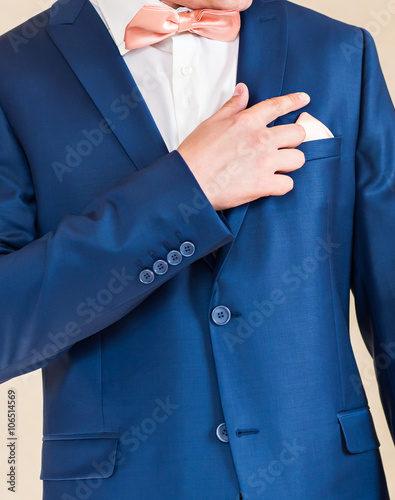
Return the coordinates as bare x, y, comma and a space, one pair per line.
138, 377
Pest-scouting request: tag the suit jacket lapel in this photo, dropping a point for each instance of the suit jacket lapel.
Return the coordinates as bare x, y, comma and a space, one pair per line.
261, 65
83, 39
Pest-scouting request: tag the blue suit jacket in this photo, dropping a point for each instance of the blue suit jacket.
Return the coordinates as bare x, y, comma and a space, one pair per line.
137, 377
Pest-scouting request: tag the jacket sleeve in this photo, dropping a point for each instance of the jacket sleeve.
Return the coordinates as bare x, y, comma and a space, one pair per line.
373, 274
60, 288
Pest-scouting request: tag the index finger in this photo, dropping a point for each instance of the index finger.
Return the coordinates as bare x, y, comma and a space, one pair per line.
270, 109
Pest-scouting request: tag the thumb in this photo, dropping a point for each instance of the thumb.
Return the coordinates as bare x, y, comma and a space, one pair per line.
237, 103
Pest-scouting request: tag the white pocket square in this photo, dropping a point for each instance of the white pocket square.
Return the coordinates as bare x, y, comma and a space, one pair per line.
315, 130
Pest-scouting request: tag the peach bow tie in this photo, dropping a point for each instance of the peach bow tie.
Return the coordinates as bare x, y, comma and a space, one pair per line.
154, 23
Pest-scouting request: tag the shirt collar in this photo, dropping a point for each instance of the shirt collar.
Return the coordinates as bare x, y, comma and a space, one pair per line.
117, 14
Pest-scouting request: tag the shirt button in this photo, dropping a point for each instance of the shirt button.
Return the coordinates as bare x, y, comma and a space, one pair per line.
174, 258
221, 315
160, 267
222, 433
187, 249
147, 276
186, 101
186, 70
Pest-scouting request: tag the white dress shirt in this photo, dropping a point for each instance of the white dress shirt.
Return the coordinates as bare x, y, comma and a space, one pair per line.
183, 79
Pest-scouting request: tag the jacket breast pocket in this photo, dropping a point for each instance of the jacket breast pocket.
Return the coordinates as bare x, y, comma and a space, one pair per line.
83, 456
322, 148
357, 428
318, 182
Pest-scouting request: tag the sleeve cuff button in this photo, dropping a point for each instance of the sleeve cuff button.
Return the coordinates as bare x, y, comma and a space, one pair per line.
174, 258
187, 249
147, 276
160, 267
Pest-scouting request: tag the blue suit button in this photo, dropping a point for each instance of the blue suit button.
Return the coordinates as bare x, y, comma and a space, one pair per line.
160, 267
187, 249
147, 276
221, 315
174, 257
222, 433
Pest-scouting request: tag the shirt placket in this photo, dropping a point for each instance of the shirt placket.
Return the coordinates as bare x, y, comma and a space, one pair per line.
185, 84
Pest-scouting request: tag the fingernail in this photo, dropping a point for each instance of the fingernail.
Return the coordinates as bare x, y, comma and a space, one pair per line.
238, 90
304, 97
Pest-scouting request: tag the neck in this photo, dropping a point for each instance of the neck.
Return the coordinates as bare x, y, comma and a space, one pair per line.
171, 4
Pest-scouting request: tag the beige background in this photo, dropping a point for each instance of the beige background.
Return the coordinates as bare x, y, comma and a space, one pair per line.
373, 15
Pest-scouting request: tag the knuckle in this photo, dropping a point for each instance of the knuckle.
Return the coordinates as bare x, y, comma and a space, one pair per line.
293, 99
263, 140
275, 104
231, 104
269, 133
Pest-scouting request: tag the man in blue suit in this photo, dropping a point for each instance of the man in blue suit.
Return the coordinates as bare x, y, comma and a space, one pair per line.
186, 292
